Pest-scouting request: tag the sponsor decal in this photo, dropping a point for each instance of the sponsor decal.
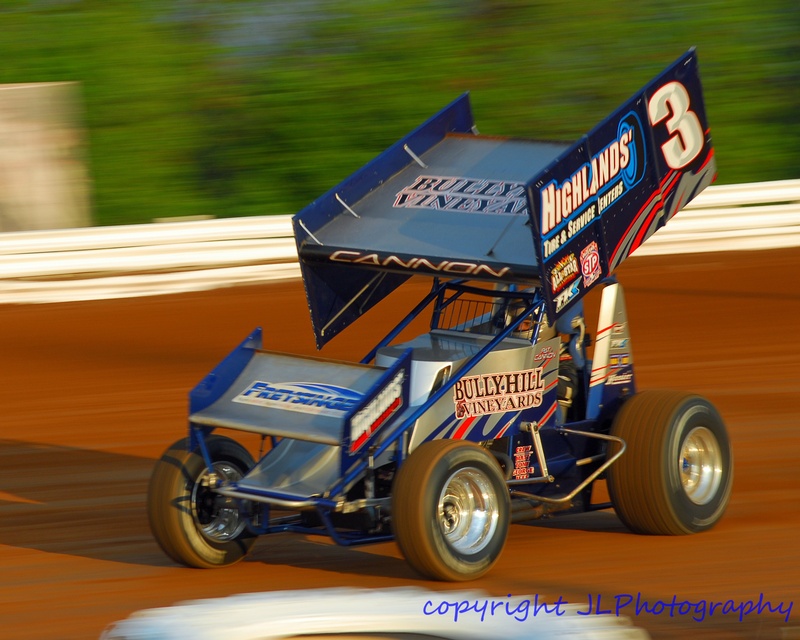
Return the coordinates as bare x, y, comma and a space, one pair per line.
551, 245
567, 208
418, 264
621, 371
522, 462
622, 377
559, 202
463, 194
377, 412
563, 298
546, 354
620, 360
607, 199
315, 398
498, 392
590, 264
563, 272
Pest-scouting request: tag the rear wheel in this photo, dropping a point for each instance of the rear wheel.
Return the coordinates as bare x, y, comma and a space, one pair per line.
193, 524
450, 510
677, 472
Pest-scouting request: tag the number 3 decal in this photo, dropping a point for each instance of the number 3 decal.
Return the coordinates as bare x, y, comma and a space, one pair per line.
686, 141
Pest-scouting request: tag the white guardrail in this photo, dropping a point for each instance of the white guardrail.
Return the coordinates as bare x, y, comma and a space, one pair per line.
171, 257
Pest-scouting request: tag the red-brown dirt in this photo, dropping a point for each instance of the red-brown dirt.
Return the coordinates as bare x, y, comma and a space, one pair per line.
93, 392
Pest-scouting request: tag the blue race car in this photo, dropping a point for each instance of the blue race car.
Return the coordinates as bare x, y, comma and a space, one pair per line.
502, 411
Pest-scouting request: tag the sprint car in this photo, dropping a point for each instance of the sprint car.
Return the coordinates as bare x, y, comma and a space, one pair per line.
503, 411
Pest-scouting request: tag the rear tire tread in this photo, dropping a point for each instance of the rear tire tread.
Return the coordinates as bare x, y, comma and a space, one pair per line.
641, 483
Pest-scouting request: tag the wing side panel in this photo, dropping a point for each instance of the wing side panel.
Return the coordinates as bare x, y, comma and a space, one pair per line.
619, 184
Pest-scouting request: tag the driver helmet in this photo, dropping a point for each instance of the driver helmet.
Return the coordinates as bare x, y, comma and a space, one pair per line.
526, 327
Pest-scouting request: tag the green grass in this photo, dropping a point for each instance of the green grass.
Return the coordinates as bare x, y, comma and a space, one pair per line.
257, 107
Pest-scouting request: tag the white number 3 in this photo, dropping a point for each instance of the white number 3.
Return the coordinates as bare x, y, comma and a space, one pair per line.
686, 141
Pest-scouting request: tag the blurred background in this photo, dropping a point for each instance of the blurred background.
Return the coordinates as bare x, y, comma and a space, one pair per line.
251, 107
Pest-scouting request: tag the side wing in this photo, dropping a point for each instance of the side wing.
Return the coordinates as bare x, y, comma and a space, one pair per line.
599, 201
447, 202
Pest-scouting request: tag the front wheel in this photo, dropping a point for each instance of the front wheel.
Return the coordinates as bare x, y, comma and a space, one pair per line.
676, 474
450, 510
193, 524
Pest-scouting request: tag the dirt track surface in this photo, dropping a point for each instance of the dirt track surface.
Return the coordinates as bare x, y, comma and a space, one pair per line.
93, 392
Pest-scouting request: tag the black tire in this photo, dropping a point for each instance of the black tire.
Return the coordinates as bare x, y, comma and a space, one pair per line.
437, 478
676, 474
192, 524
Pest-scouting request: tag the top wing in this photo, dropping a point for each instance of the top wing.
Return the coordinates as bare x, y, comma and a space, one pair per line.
445, 201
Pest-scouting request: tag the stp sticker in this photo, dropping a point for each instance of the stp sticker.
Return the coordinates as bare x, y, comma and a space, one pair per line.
590, 264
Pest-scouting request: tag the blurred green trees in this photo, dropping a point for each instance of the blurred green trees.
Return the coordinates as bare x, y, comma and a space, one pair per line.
252, 107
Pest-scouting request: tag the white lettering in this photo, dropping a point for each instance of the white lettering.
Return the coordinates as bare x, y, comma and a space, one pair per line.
421, 264
559, 202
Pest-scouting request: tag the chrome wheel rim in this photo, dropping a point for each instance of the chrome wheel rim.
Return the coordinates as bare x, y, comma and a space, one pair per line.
217, 516
700, 465
468, 511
